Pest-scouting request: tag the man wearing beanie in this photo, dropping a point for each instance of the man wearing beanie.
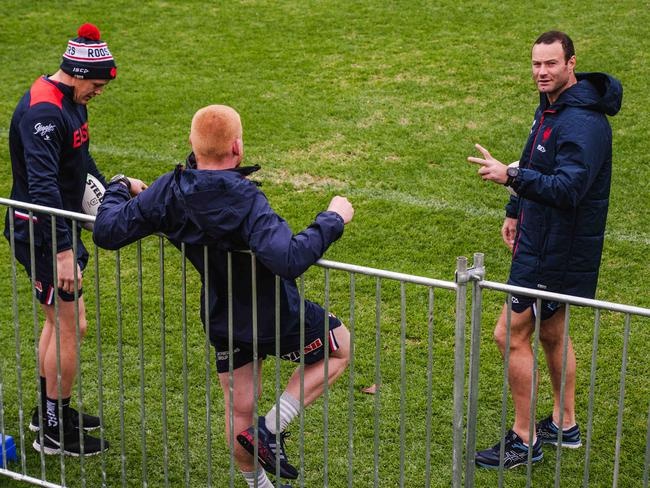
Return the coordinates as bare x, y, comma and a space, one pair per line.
48, 144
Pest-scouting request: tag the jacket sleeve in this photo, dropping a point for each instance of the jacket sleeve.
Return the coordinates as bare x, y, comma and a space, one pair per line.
512, 207
579, 156
282, 252
42, 131
121, 220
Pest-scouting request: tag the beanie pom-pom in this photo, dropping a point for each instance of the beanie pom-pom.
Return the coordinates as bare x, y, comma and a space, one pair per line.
89, 31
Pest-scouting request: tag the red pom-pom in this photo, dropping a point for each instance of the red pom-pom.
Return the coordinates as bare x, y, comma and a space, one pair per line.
89, 31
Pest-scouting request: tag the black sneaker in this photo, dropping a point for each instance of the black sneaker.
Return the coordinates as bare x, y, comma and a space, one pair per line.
266, 449
90, 421
547, 431
515, 453
71, 444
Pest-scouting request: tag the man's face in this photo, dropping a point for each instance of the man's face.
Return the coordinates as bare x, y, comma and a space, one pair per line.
86, 90
551, 72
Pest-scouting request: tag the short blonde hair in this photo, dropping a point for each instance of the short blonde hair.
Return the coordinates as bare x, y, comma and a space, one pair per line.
214, 129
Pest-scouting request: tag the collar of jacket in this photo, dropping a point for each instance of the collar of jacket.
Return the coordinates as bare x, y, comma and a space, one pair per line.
67, 90
244, 171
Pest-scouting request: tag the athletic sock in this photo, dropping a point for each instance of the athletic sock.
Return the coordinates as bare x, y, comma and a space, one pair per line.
289, 409
263, 481
52, 413
563, 430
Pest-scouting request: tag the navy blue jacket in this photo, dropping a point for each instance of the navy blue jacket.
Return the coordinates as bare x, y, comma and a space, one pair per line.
563, 189
48, 145
224, 211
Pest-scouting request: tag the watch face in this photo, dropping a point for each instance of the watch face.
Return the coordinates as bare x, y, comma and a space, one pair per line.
512, 172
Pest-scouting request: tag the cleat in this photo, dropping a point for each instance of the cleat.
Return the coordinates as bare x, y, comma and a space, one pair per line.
547, 431
267, 448
90, 421
515, 453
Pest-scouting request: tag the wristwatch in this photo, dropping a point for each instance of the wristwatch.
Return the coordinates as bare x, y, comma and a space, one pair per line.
120, 178
512, 173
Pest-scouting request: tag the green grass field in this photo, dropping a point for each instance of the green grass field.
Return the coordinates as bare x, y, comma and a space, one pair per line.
378, 101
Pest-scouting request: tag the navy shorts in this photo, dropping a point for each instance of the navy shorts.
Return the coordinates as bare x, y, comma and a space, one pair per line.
521, 303
289, 347
44, 284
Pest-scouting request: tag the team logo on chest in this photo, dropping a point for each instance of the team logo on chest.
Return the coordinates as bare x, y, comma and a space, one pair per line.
80, 136
545, 135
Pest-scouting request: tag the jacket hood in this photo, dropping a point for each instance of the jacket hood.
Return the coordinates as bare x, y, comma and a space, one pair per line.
230, 194
599, 92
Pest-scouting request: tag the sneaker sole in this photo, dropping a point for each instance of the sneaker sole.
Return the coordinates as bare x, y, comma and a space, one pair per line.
50, 451
36, 428
248, 444
564, 444
523, 463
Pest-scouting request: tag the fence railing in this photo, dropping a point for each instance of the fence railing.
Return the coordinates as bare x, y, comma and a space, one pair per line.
400, 417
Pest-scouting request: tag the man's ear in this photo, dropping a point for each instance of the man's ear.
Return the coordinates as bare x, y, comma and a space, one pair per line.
572, 63
237, 147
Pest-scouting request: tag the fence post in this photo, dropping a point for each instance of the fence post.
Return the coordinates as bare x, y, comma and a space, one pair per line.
476, 273
462, 277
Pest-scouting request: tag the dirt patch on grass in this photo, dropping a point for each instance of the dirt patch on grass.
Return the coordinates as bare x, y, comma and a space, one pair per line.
302, 181
332, 150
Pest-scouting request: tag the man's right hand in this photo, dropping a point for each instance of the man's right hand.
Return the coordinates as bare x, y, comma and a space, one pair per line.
66, 266
508, 231
137, 186
343, 207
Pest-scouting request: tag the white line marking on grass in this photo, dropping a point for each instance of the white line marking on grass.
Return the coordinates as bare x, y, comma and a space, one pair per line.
370, 193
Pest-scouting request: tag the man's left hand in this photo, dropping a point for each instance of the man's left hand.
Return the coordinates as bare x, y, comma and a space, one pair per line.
490, 169
137, 186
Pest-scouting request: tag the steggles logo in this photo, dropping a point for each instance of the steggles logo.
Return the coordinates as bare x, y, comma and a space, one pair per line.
44, 130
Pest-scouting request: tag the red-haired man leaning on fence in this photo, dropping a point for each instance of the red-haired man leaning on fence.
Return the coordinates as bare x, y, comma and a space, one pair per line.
555, 227
211, 202
48, 142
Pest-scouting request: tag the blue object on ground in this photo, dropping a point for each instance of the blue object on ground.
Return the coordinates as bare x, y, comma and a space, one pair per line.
9, 448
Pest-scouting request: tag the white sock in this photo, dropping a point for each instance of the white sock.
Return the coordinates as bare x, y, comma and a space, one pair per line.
289, 409
263, 481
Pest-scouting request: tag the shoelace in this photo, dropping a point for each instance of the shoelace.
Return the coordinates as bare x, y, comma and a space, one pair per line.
283, 436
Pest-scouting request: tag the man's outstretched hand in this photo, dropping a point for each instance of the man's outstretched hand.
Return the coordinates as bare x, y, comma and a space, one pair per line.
343, 207
490, 169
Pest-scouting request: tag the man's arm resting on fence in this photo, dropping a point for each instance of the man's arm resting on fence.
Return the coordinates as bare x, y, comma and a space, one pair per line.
121, 220
284, 253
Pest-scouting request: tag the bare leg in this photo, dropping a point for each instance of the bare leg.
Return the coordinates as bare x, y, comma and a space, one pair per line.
243, 406
68, 346
315, 373
552, 337
520, 366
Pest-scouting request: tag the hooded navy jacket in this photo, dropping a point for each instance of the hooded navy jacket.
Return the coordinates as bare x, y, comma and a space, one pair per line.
48, 145
563, 189
223, 210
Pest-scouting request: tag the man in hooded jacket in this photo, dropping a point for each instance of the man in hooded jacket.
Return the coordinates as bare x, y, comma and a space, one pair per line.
212, 205
555, 227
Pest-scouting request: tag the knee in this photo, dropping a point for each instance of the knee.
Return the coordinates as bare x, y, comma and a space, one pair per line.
549, 338
500, 337
69, 328
344, 347
242, 409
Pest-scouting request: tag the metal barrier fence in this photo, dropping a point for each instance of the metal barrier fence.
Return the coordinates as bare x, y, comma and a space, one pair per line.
416, 426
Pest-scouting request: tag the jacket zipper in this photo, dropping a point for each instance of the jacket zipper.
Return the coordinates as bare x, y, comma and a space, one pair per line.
530, 161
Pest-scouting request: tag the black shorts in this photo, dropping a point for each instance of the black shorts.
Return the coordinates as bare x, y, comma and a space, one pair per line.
289, 347
521, 303
44, 284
